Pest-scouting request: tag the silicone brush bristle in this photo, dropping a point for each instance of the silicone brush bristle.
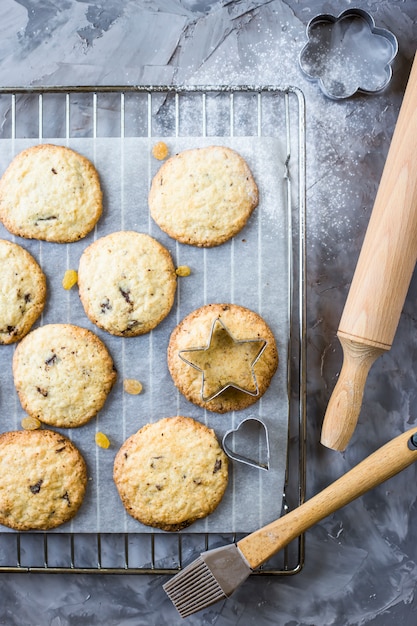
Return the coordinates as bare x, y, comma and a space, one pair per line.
214, 575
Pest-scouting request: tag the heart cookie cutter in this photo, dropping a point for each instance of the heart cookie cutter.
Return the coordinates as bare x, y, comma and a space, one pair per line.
215, 357
348, 53
248, 443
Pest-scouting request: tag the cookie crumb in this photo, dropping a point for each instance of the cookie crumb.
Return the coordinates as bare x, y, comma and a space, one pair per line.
102, 440
132, 386
70, 279
160, 151
183, 270
30, 423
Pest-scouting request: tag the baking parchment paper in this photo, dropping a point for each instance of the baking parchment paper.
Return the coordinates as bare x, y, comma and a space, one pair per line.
252, 270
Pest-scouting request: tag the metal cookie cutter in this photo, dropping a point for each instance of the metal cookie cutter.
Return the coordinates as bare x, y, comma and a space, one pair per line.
248, 443
216, 362
348, 54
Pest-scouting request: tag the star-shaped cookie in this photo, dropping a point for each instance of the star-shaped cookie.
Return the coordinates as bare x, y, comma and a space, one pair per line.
225, 362
222, 357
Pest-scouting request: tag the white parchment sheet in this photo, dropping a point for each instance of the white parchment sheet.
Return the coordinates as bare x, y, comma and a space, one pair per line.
251, 270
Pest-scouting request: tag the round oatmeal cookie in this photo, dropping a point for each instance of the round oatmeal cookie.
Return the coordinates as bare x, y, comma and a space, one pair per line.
127, 283
171, 473
203, 196
22, 292
43, 479
222, 357
50, 192
63, 374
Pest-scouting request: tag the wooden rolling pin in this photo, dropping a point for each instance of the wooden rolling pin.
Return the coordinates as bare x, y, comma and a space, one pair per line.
382, 275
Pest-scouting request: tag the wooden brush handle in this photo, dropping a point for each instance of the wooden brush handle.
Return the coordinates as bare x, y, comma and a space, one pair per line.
393, 457
385, 265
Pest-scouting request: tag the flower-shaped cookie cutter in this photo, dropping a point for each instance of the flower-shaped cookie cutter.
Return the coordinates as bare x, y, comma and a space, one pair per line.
348, 54
216, 362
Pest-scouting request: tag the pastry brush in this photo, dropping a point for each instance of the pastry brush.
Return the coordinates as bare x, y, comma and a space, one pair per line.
216, 573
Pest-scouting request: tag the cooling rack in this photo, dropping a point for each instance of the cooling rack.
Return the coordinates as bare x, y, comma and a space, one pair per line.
68, 113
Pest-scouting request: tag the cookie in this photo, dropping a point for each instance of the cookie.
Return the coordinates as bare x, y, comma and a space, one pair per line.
63, 374
127, 283
203, 196
51, 193
171, 473
22, 292
222, 357
43, 479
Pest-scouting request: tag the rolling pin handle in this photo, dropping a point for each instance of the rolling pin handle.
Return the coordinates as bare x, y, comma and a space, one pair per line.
345, 403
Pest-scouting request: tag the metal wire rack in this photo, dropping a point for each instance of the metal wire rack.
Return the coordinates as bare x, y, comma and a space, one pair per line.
150, 111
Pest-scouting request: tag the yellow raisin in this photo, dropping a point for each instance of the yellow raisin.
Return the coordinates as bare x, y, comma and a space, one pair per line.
70, 279
132, 386
30, 423
183, 270
160, 151
102, 440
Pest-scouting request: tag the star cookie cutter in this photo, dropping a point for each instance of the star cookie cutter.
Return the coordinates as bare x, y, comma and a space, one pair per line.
348, 54
248, 443
213, 361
